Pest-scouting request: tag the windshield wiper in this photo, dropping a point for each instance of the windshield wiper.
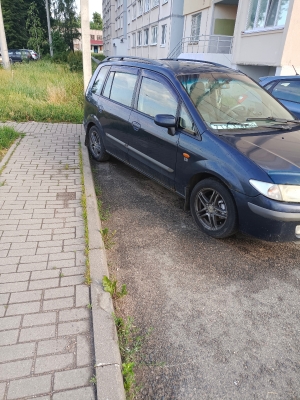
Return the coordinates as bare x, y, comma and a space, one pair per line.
252, 127
282, 120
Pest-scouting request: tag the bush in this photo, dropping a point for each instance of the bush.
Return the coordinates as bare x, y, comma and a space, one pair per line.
99, 56
75, 61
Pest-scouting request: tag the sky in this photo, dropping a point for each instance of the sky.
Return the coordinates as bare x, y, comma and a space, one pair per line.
94, 5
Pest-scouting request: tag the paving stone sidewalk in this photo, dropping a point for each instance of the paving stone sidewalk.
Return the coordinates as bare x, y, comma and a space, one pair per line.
46, 348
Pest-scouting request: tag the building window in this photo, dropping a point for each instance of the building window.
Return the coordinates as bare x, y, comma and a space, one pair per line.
99, 37
163, 34
154, 35
146, 5
121, 22
128, 17
267, 14
146, 36
195, 30
164, 1
134, 12
154, 3
139, 37
140, 7
133, 40
92, 37
128, 42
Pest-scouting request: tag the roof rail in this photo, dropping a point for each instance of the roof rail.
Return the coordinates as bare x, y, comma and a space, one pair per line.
200, 61
132, 58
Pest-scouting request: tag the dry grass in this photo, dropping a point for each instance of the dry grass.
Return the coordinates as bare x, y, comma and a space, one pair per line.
41, 91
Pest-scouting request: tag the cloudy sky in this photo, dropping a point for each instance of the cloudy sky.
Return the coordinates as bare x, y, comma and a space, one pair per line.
94, 5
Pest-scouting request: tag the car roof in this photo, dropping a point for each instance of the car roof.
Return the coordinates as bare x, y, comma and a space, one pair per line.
175, 66
279, 78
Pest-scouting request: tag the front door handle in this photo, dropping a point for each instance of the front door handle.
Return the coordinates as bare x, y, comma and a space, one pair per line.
100, 108
136, 125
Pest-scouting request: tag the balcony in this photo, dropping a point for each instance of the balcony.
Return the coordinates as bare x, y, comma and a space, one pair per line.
213, 44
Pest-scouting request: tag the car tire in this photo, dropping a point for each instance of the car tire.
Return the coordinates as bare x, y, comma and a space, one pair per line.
213, 209
96, 146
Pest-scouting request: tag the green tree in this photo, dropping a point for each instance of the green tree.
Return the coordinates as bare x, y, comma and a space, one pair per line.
66, 21
97, 21
35, 31
14, 17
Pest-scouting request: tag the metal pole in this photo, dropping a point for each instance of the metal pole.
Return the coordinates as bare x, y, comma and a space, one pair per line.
49, 29
4, 51
86, 44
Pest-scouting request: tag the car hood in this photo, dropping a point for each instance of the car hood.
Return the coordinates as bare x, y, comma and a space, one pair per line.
278, 154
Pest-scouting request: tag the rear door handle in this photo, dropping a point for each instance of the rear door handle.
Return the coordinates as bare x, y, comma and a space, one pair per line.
136, 125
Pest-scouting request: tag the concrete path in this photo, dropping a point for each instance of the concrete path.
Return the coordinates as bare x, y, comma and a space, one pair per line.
46, 348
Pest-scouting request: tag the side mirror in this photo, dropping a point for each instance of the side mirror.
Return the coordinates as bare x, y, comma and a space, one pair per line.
165, 120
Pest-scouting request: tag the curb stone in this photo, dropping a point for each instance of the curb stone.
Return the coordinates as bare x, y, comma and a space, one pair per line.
7, 156
107, 353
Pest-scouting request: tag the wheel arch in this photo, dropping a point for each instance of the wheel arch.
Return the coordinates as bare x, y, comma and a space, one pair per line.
200, 177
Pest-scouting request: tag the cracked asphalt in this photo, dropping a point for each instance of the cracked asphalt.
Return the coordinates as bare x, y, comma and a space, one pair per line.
225, 313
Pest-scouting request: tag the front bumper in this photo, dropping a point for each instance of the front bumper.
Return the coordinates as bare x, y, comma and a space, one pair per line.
268, 219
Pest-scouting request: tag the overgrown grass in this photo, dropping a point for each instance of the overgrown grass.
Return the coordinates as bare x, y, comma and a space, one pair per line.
7, 137
41, 91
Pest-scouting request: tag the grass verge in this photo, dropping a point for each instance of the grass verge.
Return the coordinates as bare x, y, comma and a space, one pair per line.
41, 91
87, 274
7, 137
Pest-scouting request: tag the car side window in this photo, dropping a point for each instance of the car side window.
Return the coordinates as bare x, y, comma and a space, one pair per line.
97, 85
120, 87
107, 89
156, 98
186, 122
287, 90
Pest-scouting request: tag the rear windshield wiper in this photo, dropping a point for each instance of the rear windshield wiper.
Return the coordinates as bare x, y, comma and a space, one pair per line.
281, 120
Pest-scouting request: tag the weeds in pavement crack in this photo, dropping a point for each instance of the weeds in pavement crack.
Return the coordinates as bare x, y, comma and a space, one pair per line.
87, 275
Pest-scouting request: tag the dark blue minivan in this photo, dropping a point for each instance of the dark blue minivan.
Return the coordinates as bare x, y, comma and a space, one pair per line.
209, 133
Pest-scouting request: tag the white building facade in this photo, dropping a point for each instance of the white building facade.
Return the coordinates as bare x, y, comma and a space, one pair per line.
142, 28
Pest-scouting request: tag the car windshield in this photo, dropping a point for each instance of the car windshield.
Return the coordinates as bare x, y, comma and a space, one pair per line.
229, 101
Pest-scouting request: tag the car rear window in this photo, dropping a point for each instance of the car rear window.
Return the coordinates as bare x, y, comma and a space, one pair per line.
287, 90
97, 86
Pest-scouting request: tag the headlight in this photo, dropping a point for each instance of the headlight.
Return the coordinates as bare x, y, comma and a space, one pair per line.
288, 193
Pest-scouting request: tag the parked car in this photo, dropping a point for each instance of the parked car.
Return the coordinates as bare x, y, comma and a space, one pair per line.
237, 165
286, 89
34, 55
19, 55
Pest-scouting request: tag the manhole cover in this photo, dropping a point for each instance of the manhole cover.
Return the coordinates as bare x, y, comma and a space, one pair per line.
65, 196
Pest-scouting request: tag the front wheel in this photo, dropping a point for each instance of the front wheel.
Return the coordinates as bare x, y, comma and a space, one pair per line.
96, 145
213, 209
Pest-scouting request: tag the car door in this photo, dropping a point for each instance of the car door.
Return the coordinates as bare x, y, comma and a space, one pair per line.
152, 149
288, 93
115, 105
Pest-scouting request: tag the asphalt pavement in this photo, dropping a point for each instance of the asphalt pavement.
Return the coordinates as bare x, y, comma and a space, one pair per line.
225, 313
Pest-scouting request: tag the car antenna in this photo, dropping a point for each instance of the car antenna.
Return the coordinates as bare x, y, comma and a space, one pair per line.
295, 70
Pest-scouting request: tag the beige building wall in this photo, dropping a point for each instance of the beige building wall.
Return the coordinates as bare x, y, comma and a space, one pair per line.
193, 6
291, 49
273, 47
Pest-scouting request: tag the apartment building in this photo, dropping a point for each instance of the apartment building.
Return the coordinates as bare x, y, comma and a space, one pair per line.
143, 28
96, 41
154, 27
258, 37
108, 18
